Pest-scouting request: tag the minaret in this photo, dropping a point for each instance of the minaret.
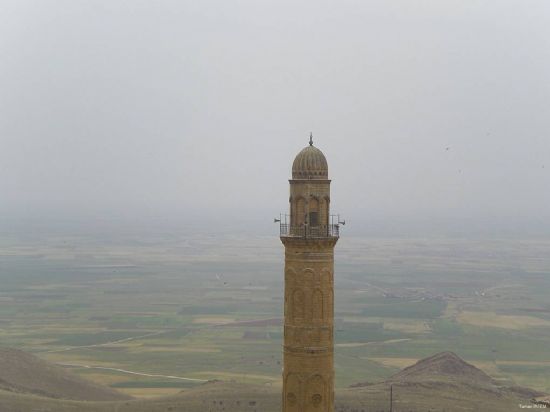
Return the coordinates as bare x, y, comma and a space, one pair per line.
309, 237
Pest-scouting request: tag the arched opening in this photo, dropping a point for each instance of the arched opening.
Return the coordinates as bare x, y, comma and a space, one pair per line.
324, 211
313, 211
299, 212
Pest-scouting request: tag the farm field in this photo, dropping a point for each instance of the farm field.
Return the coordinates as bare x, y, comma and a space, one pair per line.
155, 315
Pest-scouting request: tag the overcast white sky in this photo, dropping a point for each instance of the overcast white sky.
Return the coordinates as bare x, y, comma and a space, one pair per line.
178, 109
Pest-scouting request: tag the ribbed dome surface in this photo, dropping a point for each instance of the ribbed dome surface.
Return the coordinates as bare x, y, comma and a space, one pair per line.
310, 163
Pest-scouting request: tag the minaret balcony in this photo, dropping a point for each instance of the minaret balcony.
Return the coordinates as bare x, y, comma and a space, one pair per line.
306, 231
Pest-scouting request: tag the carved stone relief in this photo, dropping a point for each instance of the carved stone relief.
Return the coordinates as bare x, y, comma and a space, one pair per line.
298, 305
317, 306
315, 393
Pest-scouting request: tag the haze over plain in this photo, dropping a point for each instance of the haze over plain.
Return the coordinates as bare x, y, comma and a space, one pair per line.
433, 115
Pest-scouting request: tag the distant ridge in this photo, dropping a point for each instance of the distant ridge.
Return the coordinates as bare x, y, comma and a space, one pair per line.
442, 382
21, 372
442, 366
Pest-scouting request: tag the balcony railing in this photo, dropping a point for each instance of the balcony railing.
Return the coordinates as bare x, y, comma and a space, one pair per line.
287, 230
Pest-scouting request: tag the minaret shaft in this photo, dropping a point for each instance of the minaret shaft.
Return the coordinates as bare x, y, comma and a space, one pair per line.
308, 365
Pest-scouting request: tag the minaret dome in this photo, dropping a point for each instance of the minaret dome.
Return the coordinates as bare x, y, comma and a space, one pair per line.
310, 163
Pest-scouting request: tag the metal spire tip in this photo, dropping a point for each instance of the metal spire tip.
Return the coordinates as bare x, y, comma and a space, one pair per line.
310, 138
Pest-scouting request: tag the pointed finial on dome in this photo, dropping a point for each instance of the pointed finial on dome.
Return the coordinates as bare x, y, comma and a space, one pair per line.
311, 138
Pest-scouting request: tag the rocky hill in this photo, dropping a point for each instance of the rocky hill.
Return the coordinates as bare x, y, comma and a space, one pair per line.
442, 382
442, 366
23, 373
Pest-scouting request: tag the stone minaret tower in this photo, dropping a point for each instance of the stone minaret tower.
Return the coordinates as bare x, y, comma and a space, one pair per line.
309, 237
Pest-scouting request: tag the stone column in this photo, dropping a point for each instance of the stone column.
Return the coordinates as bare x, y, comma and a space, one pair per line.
308, 365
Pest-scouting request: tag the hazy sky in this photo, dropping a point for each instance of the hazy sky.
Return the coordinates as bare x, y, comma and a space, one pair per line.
177, 109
